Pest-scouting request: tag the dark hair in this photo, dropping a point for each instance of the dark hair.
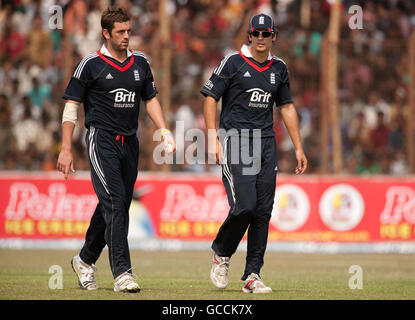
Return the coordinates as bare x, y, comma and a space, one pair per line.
111, 15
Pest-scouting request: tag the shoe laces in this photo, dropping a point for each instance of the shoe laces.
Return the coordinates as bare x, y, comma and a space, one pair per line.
223, 265
88, 271
126, 277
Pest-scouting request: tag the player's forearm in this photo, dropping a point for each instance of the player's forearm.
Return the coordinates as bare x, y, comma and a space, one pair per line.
69, 118
214, 147
209, 112
290, 119
155, 113
67, 132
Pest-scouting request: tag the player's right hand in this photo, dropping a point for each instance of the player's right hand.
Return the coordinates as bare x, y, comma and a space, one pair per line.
301, 162
65, 163
168, 140
215, 152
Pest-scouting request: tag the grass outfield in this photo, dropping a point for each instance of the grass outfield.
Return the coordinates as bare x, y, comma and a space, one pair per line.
185, 275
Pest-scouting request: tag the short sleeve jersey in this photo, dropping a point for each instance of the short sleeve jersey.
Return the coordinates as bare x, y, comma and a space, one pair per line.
249, 91
111, 91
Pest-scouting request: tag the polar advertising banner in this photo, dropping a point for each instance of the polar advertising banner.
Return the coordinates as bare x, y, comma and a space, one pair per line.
315, 209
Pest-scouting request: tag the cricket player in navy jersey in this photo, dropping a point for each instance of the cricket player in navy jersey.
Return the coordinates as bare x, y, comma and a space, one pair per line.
110, 83
249, 82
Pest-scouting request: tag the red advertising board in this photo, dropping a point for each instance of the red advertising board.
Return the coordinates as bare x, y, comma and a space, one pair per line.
308, 208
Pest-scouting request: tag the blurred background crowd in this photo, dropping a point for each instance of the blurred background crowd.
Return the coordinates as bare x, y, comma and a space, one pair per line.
373, 75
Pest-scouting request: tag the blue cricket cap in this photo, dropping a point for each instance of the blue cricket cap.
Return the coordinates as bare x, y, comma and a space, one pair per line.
261, 21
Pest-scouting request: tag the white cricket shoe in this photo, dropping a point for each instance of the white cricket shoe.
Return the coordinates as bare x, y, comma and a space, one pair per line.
85, 273
254, 284
125, 282
219, 271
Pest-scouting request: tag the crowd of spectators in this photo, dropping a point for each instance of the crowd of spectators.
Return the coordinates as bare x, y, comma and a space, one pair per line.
37, 58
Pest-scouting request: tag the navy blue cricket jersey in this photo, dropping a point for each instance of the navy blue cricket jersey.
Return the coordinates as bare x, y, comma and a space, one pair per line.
111, 91
249, 91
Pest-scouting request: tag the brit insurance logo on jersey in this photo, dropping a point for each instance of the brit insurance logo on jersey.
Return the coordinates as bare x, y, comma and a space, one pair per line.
123, 98
259, 98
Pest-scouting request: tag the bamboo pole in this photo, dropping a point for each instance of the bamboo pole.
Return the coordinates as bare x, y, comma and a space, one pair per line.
411, 117
333, 103
305, 13
324, 141
165, 53
155, 49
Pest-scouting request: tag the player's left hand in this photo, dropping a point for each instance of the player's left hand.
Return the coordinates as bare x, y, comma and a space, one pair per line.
168, 140
301, 161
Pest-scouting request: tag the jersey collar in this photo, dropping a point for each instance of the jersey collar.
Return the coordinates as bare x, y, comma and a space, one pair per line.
246, 54
245, 51
105, 52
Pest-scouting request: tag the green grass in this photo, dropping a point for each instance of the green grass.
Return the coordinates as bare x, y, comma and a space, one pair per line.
185, 275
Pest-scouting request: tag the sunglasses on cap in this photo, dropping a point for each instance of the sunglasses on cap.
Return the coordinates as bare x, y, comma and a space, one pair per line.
265, 34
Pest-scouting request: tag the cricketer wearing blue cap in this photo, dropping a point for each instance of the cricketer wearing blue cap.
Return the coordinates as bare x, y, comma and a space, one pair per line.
249, 82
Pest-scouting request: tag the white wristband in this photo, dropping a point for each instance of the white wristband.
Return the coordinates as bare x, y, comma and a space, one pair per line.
70, 112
